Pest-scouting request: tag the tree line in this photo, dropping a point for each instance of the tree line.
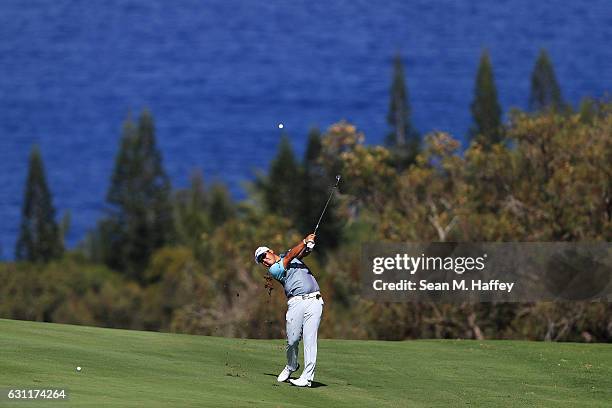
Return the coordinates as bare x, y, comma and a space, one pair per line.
161, 259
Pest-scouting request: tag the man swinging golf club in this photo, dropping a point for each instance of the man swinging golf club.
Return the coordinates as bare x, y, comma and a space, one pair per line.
304, 304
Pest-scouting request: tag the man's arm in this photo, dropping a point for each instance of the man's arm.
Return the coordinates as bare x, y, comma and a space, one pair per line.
297, 251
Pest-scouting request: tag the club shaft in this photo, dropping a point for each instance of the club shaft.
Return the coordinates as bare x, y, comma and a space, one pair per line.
326, 204
323, 212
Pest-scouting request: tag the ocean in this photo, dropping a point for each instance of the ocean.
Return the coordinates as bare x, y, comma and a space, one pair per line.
219, 76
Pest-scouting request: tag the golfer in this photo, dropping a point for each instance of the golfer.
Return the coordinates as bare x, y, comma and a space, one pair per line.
304, 306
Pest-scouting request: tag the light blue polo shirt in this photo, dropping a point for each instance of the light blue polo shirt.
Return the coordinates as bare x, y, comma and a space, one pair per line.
296, 278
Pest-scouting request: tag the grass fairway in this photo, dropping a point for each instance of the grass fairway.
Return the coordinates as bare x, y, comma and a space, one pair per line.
142, 369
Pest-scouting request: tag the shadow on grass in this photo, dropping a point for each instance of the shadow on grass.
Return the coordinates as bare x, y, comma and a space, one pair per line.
313, 384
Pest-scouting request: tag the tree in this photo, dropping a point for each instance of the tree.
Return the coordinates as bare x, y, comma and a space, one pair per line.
314, 190
39, 237
313, 148
191, 212
486, 111
404, 139
545, 90
221, 207
141, 214
281, 187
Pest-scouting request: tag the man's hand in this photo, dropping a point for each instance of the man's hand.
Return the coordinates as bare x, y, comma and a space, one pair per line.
309, 238
310, 244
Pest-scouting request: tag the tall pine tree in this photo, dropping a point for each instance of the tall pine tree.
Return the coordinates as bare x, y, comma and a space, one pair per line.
403, 138
545, 90
314, 191
191, 211
486, 111
313, 149
221, 208
39, 235
139, 195
281, 188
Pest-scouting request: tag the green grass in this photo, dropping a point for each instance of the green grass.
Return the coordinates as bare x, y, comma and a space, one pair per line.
143, 369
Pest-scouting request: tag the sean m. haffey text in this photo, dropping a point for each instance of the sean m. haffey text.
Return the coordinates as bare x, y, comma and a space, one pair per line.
411, 264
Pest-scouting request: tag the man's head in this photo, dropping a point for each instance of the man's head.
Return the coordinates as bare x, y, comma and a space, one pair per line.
265, 256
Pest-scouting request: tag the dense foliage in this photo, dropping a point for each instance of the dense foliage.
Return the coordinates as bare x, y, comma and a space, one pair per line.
183, 260
549, 179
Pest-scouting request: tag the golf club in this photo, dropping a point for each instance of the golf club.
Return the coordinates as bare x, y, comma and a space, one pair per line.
327, 203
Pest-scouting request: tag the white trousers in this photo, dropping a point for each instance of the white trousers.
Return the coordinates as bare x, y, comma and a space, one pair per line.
303, 318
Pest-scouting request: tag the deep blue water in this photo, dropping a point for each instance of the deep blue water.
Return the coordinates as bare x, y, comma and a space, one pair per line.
220, 75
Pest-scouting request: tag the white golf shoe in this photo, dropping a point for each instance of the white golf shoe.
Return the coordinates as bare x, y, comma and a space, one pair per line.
284, 375
300, 382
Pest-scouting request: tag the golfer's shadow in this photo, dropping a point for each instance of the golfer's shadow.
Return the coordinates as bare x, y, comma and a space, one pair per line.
314, 384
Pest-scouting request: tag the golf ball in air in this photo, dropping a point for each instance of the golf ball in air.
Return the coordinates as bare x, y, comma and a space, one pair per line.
78, 368
280, 126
